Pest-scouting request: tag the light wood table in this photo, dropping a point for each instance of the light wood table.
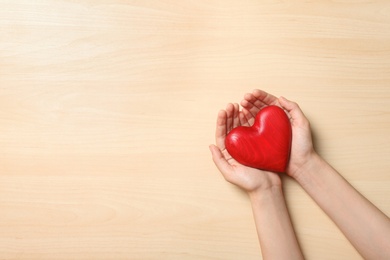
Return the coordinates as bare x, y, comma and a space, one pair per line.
107, 109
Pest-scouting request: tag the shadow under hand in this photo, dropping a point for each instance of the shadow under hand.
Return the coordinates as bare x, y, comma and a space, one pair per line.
315, 135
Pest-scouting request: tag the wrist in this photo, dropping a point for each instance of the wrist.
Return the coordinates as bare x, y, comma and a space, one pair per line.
266, 192
269, 182
312, 165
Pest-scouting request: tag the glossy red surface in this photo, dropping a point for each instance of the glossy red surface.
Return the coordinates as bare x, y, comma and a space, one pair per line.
265, 145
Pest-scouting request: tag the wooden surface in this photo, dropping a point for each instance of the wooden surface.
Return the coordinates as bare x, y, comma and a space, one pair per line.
107, 109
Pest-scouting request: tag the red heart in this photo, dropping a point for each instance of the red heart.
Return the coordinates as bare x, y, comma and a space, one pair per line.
265, 145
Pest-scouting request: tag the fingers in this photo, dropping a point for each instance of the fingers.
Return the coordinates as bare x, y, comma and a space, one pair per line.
251, 104
229, 117
264, 97
248, 116
233, 120
260, 98
221, 129
236, 111
226, 121
243, 120
254, 102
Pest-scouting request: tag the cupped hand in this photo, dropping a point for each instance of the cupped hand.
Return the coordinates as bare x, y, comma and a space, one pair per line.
247, 178
302, 145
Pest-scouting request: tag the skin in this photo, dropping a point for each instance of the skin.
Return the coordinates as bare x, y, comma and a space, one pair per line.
363, 224
274, 228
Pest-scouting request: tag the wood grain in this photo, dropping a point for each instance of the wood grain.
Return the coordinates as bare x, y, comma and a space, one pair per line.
107, 109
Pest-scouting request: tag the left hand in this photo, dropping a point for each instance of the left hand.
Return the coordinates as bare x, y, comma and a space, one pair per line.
247, 178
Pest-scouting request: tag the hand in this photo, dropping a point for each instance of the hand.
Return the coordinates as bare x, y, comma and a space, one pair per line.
264, 189
302, 146
247, 178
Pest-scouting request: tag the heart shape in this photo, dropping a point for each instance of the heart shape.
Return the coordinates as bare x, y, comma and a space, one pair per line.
266, 144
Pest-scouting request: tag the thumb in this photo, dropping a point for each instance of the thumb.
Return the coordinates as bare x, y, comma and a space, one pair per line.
292, 108
222, 164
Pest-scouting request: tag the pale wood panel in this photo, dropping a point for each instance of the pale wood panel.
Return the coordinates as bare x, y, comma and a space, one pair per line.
107, 109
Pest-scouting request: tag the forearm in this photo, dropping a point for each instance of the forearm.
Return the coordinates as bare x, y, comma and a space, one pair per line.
274, 228
365, 226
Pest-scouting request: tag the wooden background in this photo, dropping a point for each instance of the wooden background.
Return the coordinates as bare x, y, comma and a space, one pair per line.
107, 109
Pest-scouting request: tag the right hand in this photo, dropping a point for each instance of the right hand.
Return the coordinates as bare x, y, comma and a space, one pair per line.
302, 150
